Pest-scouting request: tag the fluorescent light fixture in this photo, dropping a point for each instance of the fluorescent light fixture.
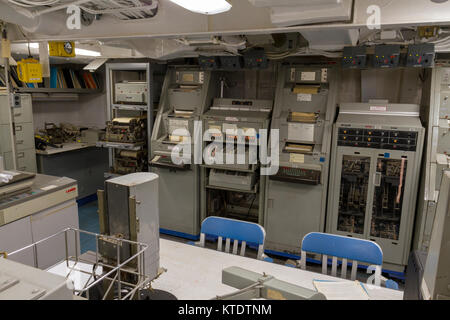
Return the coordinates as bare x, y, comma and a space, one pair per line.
89, 53
78, 51
204, 6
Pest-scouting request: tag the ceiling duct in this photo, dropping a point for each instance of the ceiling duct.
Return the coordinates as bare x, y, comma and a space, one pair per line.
166, 49
285, 13
122, 9
43, 16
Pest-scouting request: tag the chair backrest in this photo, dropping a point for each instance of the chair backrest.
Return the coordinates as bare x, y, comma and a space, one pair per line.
345, 248
233, 230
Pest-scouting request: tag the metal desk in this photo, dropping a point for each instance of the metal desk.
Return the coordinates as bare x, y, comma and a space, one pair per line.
195, 273
80, 161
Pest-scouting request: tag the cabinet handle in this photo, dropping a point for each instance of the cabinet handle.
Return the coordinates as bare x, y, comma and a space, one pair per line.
17, 114
19, 128
19, 141
21, 155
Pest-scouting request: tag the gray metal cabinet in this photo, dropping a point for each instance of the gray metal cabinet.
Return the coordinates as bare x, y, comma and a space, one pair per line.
24, 134
375, 175
86, 165
358, 205
177, 192
23, 232
437, 153
285, 221
9, 242
305, 107
49, 222
26, 160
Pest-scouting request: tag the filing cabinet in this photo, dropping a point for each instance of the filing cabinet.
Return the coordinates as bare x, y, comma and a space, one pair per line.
24, 134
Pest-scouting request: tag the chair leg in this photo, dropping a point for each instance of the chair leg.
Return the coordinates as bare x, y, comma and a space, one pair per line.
235, 246
303, 260
243, 247
202, 240
324, 264
260, 252
354, 269
344, 269
378, 276
334, 267
227, 245
219, 244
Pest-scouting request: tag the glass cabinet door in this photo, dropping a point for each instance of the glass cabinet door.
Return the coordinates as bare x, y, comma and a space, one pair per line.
389, 183
355, 175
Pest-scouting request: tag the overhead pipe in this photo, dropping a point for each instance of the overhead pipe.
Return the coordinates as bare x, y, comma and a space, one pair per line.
51, 24
52, 20
18, 16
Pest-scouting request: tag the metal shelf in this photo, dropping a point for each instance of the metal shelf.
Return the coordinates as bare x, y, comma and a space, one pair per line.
57, 90
120, 145
254, 190
133, 107
114, 108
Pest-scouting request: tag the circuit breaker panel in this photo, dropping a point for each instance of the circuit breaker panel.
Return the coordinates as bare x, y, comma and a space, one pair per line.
304, 111
437, 155
377, 152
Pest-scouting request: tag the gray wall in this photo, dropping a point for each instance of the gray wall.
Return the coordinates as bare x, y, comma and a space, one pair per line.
89, 111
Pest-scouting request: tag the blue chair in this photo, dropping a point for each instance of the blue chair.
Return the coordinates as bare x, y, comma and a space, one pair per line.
236, 231
345, 248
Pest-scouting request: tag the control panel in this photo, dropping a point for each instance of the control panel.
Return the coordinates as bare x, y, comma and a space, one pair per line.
354, 57
387, 56
231, 62
209, 62
421, 55
256, 59
378, 139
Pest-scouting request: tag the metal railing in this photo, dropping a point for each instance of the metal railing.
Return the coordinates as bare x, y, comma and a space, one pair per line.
134, 266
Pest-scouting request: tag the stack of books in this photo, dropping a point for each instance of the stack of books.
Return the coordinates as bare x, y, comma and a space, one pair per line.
60, 77
72, 79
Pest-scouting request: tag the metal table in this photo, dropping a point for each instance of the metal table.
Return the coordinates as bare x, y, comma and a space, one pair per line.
196, 273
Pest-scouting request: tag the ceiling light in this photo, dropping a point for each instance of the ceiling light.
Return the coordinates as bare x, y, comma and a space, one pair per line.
78, 51
89, 53
204, 6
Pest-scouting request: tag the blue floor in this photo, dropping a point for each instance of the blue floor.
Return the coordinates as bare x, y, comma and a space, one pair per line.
88, 219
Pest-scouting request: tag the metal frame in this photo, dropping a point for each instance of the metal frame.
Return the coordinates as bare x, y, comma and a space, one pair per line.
119, 269
112, 107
